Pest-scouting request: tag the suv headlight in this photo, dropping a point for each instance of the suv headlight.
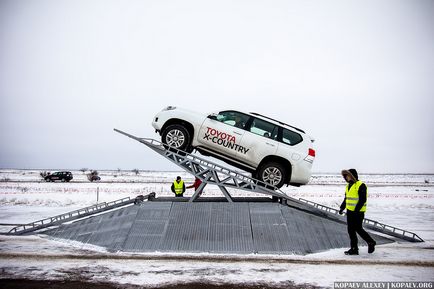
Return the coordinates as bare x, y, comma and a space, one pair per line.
169, 108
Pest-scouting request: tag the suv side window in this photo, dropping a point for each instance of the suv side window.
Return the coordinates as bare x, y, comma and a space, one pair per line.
291, 138
264, 128
233, 118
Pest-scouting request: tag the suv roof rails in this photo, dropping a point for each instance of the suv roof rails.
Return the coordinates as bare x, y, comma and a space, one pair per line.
282, 123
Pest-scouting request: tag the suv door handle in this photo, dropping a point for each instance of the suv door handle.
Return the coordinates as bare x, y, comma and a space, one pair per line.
270, 144
237, 133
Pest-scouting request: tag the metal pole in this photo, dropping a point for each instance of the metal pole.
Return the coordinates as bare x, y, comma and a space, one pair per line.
97, 195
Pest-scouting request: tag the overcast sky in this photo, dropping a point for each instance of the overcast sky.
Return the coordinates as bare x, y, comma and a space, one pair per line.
356, 75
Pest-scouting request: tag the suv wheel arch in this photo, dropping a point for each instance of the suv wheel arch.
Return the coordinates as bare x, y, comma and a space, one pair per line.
180, 128
184, 123
280, 164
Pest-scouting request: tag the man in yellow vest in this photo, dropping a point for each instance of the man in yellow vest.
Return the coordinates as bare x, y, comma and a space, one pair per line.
356, 194
178, 187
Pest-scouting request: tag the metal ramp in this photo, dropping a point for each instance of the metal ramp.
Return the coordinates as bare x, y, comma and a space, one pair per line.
239, 227
215, 174
374, 225
212, 173
75, 215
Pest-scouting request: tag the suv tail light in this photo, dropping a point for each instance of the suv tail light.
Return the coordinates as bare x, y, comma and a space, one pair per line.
310, 156
312, 152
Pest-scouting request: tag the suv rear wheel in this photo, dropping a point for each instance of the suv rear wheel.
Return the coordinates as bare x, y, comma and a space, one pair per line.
273, 173
177, 136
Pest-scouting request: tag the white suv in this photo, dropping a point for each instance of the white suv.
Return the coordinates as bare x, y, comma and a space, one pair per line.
274, 152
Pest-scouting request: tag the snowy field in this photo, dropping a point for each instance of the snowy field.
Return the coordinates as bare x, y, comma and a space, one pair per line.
404, 201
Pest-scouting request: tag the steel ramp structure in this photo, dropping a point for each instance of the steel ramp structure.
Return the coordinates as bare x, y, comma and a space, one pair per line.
211, 173
215, 225
215, 174
178, 226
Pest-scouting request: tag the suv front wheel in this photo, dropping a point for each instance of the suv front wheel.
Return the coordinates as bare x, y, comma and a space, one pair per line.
273, 173
176, 136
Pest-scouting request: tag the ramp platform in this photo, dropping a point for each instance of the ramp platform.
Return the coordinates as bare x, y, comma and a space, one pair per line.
215, 227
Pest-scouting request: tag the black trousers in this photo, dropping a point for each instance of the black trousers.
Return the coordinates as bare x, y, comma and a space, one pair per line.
354, 223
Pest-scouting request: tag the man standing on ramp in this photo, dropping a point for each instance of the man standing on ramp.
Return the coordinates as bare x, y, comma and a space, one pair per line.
356, 194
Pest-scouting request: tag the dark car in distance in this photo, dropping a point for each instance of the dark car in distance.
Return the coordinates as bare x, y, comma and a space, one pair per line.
59, 176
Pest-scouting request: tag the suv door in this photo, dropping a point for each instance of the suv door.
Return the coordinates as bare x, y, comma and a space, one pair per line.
223, 132
259, 141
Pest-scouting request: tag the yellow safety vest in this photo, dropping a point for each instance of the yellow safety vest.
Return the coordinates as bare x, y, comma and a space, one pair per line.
352, 196
178, 187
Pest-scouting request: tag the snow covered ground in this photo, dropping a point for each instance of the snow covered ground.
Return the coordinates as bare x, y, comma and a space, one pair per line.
404, 201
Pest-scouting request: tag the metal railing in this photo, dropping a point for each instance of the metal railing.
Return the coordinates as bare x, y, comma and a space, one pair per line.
373, 225
70, 216
391, 230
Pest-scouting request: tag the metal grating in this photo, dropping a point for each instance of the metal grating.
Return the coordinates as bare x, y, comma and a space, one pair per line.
238, 227
310, 233
270, 233
149, 227
230, 229
188, 227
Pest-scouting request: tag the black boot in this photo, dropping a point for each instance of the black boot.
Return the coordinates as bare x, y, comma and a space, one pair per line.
352, 251
371, 247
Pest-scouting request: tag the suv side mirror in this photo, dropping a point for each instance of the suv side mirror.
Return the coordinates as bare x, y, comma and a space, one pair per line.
213, 116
